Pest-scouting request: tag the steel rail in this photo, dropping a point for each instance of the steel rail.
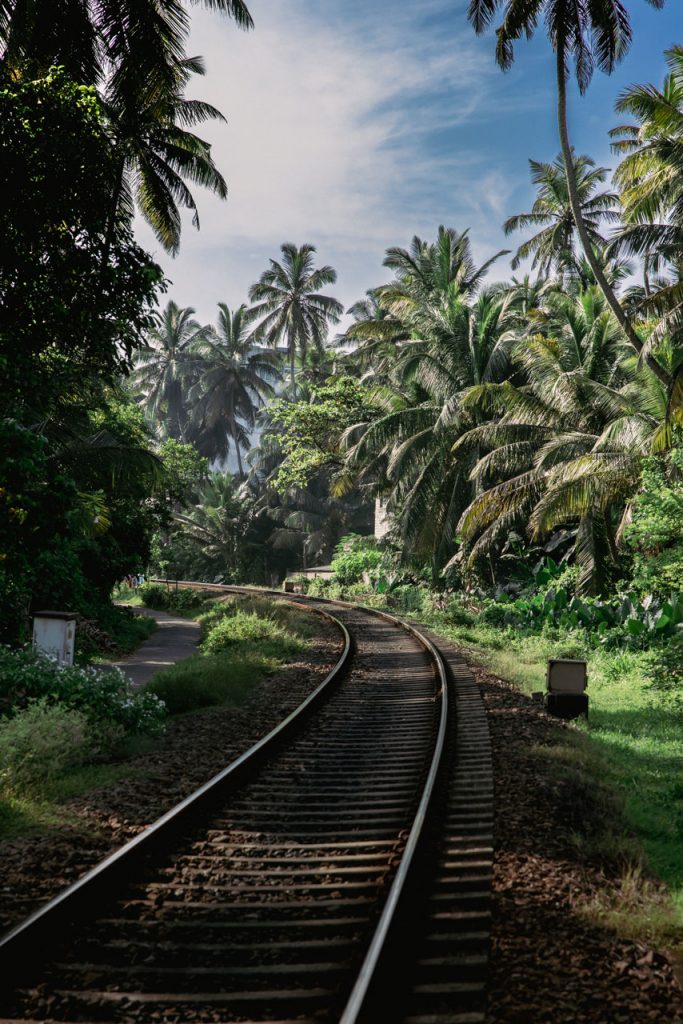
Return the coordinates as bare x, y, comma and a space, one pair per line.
357, 1003
30, 934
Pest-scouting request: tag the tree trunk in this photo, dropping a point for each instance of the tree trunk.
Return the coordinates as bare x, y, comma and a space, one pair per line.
594, 263
240, 468
291, 368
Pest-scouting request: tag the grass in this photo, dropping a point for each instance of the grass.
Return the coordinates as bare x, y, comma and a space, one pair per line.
632, 745
243, 640
26, 815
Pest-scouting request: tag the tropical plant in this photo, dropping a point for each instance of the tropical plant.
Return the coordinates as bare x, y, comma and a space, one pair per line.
650, 177
163, 369
292, 308
589, 34
234, 376
552, 248
217, 525
565, 448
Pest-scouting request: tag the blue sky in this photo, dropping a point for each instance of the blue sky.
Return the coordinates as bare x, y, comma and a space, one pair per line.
355, 124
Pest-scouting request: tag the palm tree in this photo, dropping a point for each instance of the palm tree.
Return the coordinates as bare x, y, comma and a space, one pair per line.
95, 39
155, 153
291, 305
553, 246
217, 525
162, 370
651, 178
451, 335
565, 447
134, 53
596, 33
234, 377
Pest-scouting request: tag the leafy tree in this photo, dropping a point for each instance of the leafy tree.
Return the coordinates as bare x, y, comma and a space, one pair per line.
289, 301
310, 430
655, 531
552, 248
596, 33
65, 315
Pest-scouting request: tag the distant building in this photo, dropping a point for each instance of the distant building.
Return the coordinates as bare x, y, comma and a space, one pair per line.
382, 518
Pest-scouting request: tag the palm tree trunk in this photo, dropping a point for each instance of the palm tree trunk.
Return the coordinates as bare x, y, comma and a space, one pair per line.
291, 369
240, 468
595, 265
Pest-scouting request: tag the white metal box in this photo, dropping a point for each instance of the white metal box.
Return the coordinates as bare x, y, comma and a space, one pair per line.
54, 633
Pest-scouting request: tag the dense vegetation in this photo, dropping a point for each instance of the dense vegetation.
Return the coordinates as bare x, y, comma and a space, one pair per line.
523, 437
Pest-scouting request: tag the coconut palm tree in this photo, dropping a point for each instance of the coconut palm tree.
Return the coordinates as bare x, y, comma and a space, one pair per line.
552, 248
290, 304
164, 370
589, 34
651, 179
156, 154
565, 447
134, 54
95, 39
234, 376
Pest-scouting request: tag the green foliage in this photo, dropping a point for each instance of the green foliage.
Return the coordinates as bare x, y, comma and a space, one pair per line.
65, 312
355, 556
104, 696
38, 744
209, 681
310, 430
655, 533
244, 639
244, 628
616, 620
163, 598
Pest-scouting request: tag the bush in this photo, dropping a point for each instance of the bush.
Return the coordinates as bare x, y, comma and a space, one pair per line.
247, 628
355, 556
39, 743
103, 696
154, 595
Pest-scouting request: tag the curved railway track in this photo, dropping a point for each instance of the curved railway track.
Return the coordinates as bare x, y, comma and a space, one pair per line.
337, 871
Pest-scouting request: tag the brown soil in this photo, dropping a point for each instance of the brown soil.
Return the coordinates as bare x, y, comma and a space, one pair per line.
194, 748
549, 966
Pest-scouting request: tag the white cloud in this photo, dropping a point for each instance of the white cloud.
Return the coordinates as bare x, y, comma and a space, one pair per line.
339, 134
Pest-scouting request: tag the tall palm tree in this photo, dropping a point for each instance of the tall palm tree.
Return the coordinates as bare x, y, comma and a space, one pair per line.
552, 248
156, 154
95, 39
651, 178
453, 336
234, 377
288, 300
163, 370
595, 33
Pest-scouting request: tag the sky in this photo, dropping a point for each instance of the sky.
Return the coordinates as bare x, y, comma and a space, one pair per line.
354, 125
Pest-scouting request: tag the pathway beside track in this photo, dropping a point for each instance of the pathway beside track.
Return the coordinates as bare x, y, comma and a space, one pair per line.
174, 640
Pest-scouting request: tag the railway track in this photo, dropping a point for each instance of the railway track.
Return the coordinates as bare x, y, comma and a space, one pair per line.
338, 871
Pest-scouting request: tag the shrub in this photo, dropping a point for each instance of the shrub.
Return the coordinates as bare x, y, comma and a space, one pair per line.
354, 556
154, 595
103, 696
244, 628
39, 743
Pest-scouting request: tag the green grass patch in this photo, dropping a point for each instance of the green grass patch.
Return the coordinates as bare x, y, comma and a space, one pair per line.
632, 743
23, 815
243, 640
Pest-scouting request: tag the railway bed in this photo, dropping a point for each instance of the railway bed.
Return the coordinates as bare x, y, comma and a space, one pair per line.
337, 871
